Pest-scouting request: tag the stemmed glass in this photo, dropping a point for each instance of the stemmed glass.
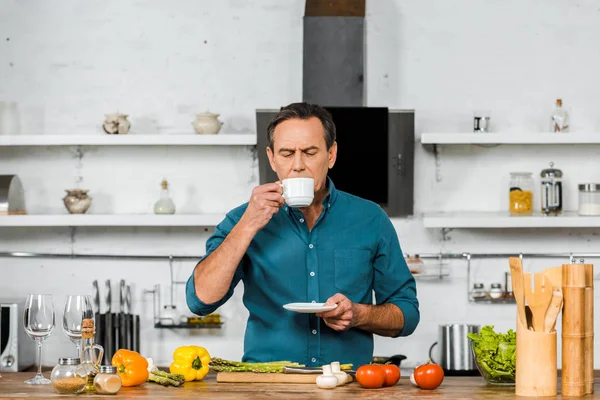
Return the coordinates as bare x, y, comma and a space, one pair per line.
76, 309
38, 320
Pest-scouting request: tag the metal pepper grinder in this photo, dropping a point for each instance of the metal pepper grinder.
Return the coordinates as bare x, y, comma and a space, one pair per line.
551, 181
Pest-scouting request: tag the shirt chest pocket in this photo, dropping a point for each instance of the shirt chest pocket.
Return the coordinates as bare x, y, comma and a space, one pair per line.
353, 273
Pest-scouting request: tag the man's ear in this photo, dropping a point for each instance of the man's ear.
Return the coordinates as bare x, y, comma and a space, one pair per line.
332, 154
271, 158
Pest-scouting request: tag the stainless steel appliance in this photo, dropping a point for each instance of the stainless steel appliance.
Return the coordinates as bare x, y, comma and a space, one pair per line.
455, 355
17, 350
12, 196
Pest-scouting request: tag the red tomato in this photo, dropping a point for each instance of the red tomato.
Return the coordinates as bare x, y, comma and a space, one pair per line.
392, 374
428, 376
370, 376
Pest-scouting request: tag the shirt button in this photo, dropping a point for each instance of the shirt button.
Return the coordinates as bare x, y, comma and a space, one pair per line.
314, 331
310, 246
312, 274
328, 205
301, 220
313, 359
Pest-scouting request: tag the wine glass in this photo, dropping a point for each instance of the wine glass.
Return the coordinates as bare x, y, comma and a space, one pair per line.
38, 320
76, 309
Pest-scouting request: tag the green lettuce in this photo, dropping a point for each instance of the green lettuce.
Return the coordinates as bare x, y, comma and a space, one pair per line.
496, 353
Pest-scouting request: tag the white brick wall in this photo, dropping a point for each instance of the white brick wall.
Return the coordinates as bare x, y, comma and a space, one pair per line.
67, 64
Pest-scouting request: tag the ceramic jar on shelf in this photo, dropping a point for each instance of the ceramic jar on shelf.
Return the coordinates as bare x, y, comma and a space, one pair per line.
77, 201
207, 123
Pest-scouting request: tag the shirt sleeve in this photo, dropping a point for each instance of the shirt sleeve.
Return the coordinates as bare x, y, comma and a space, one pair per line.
394, 283
196, 305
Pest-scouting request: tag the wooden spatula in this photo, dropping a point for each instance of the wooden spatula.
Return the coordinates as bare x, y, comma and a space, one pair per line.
553, 310
539, 299
516, 276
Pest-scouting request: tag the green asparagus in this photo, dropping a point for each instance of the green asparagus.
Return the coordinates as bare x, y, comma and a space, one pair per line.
221, 365
175, 377
163, 380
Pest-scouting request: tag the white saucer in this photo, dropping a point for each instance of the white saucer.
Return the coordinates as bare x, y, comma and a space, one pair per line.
308, 307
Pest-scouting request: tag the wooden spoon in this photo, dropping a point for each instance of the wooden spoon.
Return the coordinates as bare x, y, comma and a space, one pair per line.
539, 299
516, 276
553, 310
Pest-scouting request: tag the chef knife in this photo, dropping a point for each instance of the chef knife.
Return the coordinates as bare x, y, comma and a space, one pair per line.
108, 327
129, 318
309, 370
98, 316
123, 335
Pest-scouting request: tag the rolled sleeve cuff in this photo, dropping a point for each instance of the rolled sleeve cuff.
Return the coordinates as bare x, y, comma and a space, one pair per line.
411, 315
196, 305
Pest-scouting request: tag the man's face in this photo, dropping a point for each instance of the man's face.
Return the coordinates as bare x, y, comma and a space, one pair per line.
300, 151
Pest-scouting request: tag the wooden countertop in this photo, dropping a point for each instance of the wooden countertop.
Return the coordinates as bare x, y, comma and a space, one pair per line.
12, 386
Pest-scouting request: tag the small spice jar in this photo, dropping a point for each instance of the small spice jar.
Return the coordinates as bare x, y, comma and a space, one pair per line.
589, 199
520, 196
107, 381
478, 292
551, 190
68, 376
496, 291
415, 264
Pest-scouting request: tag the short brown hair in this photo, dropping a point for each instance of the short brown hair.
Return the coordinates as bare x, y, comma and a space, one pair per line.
304, 111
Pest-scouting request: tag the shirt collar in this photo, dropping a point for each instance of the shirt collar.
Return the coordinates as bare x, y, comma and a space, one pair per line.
331, 195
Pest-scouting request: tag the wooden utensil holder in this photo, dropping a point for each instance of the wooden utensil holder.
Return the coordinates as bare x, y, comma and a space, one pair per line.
536, 373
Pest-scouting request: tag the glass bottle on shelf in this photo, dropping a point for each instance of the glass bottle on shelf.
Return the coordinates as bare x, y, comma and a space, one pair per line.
551, 195
90, 361
559, 118
164, 205
520, 199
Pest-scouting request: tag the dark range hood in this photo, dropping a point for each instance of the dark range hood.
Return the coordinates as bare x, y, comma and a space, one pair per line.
375, 144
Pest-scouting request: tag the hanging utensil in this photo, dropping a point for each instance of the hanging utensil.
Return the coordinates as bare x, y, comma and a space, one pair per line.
516, 271
538, 299
553, 310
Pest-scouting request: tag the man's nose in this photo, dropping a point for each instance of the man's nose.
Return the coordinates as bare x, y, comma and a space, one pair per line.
299, 162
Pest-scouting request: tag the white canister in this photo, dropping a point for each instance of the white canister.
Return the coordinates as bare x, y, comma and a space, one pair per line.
589, 199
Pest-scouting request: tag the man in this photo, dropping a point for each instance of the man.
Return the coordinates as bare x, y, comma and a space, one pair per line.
339, 249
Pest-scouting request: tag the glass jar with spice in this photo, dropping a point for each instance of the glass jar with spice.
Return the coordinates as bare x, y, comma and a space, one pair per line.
478, 293
496, 291
589, 199
68, 376
107, 381
520, 199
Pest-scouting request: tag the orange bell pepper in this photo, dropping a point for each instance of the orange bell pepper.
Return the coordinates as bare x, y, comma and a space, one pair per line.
131, 367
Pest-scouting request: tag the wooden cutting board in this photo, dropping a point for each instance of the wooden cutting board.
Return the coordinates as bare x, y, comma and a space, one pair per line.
255, 377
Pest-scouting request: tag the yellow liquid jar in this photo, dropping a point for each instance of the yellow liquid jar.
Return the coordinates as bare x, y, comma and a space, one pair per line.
520, 194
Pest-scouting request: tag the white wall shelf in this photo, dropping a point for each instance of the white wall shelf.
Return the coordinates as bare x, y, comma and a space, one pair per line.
74, 220
509, 138
131, 139
486, 220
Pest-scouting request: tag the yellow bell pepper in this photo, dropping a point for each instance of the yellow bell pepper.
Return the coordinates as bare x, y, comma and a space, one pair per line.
191, 362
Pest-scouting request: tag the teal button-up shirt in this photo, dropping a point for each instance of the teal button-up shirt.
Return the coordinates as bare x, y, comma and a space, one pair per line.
352, 249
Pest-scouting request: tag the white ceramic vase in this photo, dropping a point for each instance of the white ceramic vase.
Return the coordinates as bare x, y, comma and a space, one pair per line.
207, 123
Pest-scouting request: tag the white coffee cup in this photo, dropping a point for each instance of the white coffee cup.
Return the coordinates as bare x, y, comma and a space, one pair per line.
298, 192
